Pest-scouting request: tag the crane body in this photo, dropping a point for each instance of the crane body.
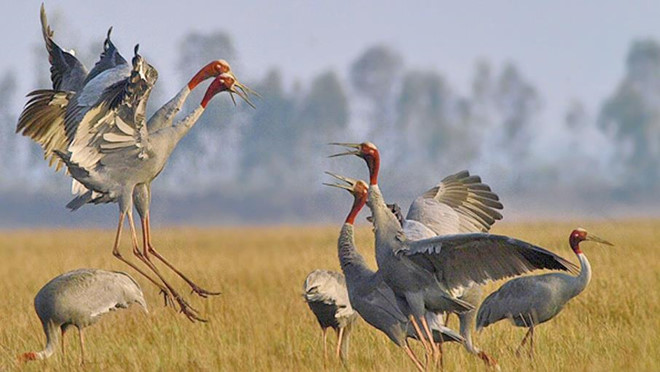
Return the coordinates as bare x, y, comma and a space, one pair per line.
80, 298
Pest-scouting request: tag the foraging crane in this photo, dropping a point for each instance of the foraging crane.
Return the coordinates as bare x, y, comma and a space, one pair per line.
79, 298
327, 297
99, 131
532, 300
369, 295
422, 272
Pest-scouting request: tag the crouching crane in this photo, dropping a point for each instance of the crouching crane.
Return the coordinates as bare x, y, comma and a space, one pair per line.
79, 298
327, 297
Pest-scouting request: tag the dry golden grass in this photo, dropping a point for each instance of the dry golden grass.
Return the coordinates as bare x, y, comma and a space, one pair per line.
260, 321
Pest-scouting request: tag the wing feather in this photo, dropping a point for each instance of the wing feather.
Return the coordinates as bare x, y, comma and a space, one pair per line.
459, 203
464, 259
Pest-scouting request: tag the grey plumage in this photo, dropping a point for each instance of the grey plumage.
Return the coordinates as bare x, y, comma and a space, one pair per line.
79, 298
532, 300
326, 295
95, 124
460, 203
369, 295
422, 273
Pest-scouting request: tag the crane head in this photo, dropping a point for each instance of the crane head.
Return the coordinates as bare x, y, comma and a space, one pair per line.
579, 235
226, 82
357, 188
212, 69
363, 150
367, 151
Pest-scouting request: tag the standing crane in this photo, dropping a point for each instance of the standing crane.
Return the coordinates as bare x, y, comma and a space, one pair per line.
448, 208
532, 300
422, 273
79, 298
369, 294
327, 297
100, 132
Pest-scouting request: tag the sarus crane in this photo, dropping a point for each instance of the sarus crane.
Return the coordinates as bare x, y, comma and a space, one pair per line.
450, 207
79, 298
532, 300
95, 124
370, 296
326, 295
421, 272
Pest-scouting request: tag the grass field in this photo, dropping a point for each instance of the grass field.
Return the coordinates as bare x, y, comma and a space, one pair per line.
260, 322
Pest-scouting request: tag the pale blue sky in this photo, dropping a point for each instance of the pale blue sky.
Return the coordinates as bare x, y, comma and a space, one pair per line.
568, 49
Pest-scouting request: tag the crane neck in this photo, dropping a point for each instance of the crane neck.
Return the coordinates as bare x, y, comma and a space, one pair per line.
52, 338
351, 261
164, 117
387, 230
373, 163
584, 277
358, 203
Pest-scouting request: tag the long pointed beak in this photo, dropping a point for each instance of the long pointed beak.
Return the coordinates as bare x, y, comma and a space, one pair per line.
348, 145
348, 180
242, 92
596, 239
349, 183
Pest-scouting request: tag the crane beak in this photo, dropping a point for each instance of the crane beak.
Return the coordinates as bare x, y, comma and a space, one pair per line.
348, 145
596, 239
349, 183
241, 91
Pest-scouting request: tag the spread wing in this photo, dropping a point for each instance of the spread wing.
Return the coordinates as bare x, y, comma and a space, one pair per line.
109, 58
463, 259
66, 72
42, 120
460, 203
115, 124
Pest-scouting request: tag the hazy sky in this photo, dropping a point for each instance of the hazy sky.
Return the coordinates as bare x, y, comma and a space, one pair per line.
568, 49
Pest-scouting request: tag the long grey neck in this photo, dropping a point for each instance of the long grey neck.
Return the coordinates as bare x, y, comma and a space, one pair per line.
583, 279
184, 125
386, 226
52, 338
351, 261
164, 117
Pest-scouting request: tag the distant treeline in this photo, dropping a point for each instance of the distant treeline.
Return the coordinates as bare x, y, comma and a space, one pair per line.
267, 163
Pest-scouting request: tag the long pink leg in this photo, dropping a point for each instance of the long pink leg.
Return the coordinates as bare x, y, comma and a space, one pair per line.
116, 253
412, 357
148, 248
185, 308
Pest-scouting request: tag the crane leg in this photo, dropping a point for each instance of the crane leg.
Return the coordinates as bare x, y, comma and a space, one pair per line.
185, 308
434, 346
340, 335
63, 332
420, 335
149, 248
524, 340
116, 253
324, 337
531, 342
413, 357
82, 347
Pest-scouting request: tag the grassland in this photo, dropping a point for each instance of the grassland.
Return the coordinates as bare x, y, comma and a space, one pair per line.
260, 321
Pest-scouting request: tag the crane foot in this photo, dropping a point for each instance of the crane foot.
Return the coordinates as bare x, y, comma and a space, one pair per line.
190, 312
201, 292
167, 299
489, 360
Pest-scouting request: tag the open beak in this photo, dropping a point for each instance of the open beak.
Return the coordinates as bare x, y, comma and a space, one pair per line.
596, 239
349, 183
242, 91
355, 146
